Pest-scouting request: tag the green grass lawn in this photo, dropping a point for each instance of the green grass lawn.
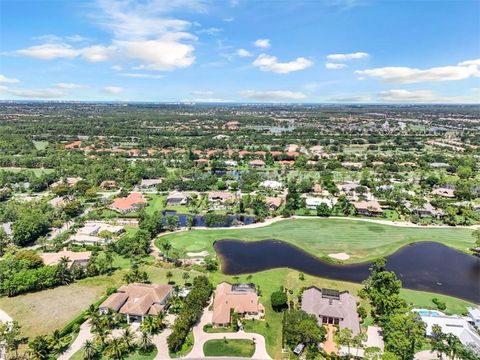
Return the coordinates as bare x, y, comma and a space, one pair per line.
134, 356
229, 348
40, 145
361, 240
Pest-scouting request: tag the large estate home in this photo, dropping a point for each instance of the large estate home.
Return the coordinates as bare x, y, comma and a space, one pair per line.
368, 208
177, 198
239, 298
74, 258
332, 307
137, 301
132, 202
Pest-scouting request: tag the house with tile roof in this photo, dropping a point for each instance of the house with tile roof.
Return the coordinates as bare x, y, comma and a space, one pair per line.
132, 202
239, 298
138, 301
332, 307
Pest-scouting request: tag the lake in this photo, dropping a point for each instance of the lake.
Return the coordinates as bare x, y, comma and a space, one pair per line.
425, 266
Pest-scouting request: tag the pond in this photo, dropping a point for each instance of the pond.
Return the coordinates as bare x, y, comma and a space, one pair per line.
425, 266
199, 221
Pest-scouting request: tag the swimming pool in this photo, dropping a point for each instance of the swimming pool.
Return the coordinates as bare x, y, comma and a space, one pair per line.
426, 312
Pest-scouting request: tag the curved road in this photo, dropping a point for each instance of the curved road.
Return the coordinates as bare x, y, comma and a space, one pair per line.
200, 338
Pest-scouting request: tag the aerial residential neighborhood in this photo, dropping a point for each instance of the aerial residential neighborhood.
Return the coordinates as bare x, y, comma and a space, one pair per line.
198, 179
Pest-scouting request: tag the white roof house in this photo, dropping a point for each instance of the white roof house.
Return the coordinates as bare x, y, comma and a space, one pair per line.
456, 325
474, 313
271, 184
89, 232
313, 202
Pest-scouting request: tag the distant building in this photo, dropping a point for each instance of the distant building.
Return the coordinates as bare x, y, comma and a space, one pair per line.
138, 301
313, 202
69, 181
75, 258
177, 198
257, 163
132, 202
88, 233
150, 184
271, 184
474, 314
239, 298
273, 203
108, 184
332, 307
368, 208
456, 325
444, 192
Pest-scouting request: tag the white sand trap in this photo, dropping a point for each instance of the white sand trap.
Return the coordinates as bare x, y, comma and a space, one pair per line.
340, 256
197, 254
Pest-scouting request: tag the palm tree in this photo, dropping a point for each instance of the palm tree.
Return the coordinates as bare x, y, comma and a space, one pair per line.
145, 341
128, 338
115, 349
453, 345
90, 351
57, 342
358, 341
169, 276
344, 337
39, 348
166, 246
63, 273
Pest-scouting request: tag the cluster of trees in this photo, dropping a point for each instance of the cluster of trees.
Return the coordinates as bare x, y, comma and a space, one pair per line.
450, 345
23, 271
302, 328
194, 303
118, 347
403, 331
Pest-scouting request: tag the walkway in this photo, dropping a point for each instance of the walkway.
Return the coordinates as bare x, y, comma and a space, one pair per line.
83, 336
160, 340
329, 346
200, 338
427, 355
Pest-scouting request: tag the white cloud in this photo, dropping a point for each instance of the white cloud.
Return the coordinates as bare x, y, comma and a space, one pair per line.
76, 38
202, 93
335, 66
98, 53
6, 80
262, 43
210, 31
36, 93
142, 75
353, 99
49, 51
475, 62
402, 95
159, 54
112, 89
244, 53
423, 96
142, 31
347, 57
270, 63
272, 95
406, 75
116, 67
229, 19
69, 86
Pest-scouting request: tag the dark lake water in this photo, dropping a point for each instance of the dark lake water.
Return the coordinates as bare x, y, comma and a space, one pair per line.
426, 266
199, 221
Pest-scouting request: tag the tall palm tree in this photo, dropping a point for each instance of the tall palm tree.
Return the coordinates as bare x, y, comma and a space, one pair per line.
39, 348
115, 349
128, 338
145, 341
454, 346
90, 351
63, 275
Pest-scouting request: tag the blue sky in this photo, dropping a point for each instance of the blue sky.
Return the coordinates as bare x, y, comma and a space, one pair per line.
241, 50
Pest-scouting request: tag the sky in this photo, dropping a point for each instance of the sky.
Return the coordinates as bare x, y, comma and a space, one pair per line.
316, 51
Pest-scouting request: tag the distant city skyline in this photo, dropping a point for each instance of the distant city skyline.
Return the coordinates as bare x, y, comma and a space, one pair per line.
332, 51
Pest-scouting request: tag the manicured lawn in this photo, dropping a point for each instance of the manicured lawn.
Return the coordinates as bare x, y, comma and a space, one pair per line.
40, 145
43, 312
234, 348
134, 356
361, 240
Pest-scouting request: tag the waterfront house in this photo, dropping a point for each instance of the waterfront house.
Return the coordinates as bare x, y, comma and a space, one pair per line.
332, 307
239, 298
177, 198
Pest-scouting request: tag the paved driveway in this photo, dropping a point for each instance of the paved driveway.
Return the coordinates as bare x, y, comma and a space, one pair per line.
83, 336
201, 337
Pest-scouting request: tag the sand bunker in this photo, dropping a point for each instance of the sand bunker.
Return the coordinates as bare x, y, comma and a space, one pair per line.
197, 254
340, 256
